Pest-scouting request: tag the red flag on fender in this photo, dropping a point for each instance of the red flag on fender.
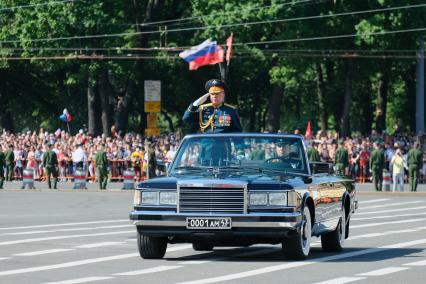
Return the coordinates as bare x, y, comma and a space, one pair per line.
229, 48
308, 133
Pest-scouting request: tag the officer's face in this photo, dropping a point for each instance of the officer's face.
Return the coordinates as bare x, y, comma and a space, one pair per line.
217, 98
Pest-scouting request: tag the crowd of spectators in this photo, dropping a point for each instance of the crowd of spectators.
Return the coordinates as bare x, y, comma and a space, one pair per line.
127, 152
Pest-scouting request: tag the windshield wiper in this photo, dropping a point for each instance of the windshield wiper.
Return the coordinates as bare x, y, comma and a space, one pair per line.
194, 168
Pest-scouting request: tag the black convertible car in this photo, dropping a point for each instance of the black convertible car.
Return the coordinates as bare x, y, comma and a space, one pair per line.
241, 189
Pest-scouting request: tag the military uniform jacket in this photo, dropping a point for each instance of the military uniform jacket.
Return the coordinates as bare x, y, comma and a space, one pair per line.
50, 159
415, 158
210, 119
377, 159
342, 157
313, 155
101, 159
2, 160
10, 157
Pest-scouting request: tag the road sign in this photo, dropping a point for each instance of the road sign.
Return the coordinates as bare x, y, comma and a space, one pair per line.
152, 91
152, 120
152, 131
152, 106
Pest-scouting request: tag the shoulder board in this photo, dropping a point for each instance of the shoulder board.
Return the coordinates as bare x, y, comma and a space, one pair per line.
205, 105
228, 105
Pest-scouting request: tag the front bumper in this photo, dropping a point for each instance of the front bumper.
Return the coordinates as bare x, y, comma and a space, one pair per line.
172, 224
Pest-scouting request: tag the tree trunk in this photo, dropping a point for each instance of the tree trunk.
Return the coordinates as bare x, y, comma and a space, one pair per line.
91, 107
410, 86
104, 98
382, 100
366, 111
255, 110
273, 115
320, 93
122, 107
344, 119
169, 120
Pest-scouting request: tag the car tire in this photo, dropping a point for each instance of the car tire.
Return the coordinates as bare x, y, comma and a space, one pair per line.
333, 241
298, 247
199, 246
151, 247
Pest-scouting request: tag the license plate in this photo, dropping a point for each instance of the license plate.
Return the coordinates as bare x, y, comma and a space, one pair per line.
209, 223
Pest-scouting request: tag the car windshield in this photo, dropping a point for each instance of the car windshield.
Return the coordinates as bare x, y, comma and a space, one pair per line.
269, 154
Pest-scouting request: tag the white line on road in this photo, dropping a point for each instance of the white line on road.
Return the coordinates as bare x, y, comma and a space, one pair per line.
147, 270
255, 272
373, 201
417, 263
103, 244
387, 223
383, 271
244, 254
23, 241
41, 252
372, 235
4, 258
387, 216
341, 280
81, 280
392, 210
66, 230
65, 224
81, 262
390, 205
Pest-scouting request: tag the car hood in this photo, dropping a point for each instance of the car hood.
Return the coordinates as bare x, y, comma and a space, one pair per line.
254, 182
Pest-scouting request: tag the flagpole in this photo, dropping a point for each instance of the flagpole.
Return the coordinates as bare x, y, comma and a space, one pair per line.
69, 132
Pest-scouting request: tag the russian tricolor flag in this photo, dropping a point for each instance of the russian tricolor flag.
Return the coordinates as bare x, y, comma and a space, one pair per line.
207, 53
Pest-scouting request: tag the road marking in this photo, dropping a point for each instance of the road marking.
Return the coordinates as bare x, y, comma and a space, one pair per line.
244, 254
387, 216
95, 245
66, 230
383, 271
81, 280
4, 258
372, 235
40, 252
392, 210
387, 223
65, 224
255, 272
23, 241
374, 200
81, 262
147, 270
417, 263
390, 205
341, 280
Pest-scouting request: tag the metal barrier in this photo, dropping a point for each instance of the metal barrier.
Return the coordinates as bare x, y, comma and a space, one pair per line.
128, 179
28, 179
386, 184
80, 179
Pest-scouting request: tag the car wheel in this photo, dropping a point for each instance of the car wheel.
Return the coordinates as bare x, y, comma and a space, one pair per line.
298, 247
333, 241
199, 246
151, 247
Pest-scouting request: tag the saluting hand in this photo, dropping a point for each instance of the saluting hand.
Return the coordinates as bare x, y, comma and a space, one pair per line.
201, 100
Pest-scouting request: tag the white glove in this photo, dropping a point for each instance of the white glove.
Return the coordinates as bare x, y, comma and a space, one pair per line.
201, 100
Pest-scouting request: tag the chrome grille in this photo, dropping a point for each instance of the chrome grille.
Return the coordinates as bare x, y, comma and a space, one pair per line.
211, 200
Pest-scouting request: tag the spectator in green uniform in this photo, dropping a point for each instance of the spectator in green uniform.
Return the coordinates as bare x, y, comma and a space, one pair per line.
101, 164
313, 154
377, 164
50, 164
150, 159
2, 164
10, 160
415, 162
341, 160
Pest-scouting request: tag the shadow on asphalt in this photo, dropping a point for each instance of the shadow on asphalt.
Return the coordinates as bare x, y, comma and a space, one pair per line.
274, 254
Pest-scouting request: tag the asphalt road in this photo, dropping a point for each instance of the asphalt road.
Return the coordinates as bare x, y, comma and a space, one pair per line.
85, 236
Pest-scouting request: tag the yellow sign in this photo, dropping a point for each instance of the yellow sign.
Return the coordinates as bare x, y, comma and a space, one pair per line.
152, 106
152, 131
151, 120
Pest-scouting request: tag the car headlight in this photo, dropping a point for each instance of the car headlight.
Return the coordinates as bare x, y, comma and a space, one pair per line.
278, 199
137, 197
149, 197
258, 199
168, 198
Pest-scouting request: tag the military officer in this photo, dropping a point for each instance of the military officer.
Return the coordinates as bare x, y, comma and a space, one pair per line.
377, 164
101, 164
150, 160
10, 160
341, 160
2, 164
50, 164
216, 116
415, 161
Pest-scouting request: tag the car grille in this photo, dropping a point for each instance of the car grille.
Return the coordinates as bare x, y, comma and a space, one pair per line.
211, 200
